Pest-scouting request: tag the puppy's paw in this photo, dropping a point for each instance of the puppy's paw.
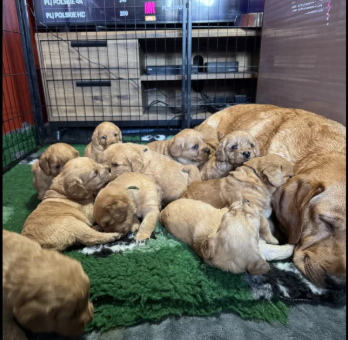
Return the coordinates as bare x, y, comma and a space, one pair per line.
142, 236
114, 237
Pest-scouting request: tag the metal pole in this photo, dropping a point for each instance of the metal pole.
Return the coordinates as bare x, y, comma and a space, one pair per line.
189, 57
183, 69
23, 22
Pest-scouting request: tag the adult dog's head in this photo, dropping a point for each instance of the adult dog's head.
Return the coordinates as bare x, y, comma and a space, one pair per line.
123, 158
188, 147
55, 157
236, 148
81, 179
114, 211
311, 208
54, 296
106, 134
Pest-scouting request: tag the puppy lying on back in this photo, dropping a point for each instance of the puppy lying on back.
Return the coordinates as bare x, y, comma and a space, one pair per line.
210, 135
104, 135
256, 181
234, 149
225, 238
129, 197
44, 290
65, 216
50, 164
187, 147
171, 178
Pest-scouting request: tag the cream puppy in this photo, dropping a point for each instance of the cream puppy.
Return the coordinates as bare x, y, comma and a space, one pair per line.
104, 135
50, 165
171, 178
234, 149
129, 197
186, 147
225, 238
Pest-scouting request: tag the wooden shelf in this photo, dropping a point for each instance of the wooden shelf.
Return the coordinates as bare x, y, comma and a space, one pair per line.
201, 76
153, 34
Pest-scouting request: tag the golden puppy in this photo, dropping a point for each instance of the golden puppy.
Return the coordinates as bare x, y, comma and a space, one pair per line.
65, 216
44, 290
104, 135
256, 181
50, 164
234, 149
186, 147
130, 196
209, 134
225, 238
316, 146
171, 178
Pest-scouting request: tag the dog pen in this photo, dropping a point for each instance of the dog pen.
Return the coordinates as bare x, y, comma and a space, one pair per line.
152, 68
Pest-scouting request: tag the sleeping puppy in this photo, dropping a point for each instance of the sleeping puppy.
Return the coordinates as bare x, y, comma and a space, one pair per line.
225, 238
50, 164
65, 216
234, 149
171, 178
129, 197
210, 135
44, 290
103, 136
256, 181
187, 147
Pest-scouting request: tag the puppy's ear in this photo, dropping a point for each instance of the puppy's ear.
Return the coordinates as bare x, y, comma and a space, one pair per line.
43, 163
274, 174
208, 249
75, 189
175, 147
220, 153
120, 135
95, 138
289, 203
257, 265
32, 314
136, 161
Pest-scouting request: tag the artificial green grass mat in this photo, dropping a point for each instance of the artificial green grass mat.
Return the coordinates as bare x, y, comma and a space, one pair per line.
163, 278
15, 142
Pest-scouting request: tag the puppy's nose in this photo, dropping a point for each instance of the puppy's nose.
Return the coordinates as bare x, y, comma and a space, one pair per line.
207, 150
246, 154
109, 169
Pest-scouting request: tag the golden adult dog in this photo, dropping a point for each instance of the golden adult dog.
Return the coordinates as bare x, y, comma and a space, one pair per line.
234, 149
186, 147
44, 290
130, 196
256, 181
316, 146
171, 178
50, 164
65, 216
104, 135
225, 238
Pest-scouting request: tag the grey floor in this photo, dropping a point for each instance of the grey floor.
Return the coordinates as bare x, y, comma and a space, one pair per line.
305, 322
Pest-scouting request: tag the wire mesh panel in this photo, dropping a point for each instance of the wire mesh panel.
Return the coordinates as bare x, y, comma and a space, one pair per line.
18, 131
151, 67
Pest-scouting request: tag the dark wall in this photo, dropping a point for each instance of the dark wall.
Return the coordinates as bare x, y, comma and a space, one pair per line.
303, 56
